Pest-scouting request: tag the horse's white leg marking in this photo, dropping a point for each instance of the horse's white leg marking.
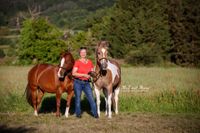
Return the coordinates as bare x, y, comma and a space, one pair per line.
67, 112
61, 65
98, 101
106, 111
113, 68
35, 113
109, 106
116, 100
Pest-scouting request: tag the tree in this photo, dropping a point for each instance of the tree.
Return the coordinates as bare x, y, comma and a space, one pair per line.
184, 19
40, 42
82, 39
2, 54
136, 29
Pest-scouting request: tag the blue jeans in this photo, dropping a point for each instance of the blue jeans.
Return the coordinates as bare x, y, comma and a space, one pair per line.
84, 86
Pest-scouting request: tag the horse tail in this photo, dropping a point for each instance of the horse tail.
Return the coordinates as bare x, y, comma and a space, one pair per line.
28, 95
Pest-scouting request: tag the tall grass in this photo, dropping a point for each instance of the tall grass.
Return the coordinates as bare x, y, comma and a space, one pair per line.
180, 101
174, 90
159, 78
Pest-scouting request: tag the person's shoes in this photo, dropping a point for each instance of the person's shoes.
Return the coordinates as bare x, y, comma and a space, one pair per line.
96, 116
78, 116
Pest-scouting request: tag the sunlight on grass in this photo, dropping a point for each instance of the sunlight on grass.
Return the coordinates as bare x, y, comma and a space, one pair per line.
170, 90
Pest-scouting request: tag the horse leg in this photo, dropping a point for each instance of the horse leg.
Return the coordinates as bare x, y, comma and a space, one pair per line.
98, 101
39, 98
116, 92
34, 99
69, 98
106, 101
58, 96
109, 98
106, 106
109, 105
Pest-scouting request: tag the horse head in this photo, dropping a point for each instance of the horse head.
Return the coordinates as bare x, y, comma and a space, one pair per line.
102, 54
66, 63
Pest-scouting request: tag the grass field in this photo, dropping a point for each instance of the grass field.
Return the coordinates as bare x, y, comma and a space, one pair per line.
171, 103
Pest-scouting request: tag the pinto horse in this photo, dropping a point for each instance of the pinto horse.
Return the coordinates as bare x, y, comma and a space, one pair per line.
107, 76
52, 79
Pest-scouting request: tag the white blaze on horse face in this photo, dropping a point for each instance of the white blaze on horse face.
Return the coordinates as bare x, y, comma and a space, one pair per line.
61, 65
114, 70
103, 50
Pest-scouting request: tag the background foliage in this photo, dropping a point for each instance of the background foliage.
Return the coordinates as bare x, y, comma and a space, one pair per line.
40, 42
140, 32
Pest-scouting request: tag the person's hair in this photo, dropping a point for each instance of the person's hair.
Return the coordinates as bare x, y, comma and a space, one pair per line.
83, 48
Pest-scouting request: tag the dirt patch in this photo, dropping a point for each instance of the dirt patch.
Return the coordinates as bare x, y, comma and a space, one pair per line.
122, 123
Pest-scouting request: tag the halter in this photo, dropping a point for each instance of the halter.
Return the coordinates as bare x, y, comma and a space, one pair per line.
103, 58
97, 76
62, 67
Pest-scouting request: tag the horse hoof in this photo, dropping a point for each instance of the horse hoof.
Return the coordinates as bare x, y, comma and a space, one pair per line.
35, 113
66, 115
109, 116
57, 115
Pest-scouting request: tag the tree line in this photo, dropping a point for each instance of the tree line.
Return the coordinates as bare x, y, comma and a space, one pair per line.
141, 32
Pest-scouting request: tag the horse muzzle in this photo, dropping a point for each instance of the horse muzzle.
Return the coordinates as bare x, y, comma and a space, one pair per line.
104, 66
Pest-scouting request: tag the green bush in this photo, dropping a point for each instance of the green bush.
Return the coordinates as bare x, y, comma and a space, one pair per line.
40, 42
2, 54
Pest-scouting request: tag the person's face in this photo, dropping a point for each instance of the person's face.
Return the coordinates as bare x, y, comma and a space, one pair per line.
83, 53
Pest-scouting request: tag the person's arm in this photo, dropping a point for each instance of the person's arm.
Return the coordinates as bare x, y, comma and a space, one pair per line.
76, 74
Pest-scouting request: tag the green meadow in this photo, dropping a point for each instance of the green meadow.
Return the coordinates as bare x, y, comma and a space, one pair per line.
168, 90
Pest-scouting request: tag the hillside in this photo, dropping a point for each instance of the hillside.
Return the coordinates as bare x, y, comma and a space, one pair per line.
70, 14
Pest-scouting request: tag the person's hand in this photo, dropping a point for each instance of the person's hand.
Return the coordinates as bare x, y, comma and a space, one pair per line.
86, 76
92, 74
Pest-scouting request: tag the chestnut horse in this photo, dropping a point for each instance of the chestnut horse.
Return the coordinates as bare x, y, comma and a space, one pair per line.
52, 79
107, 76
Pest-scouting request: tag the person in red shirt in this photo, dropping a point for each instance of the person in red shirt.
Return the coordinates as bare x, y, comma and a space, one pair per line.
80, 71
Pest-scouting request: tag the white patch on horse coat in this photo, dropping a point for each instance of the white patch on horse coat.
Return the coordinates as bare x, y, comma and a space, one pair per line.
109, 106
106, 101
98, 101
103, 51
113, 68
35, 113
61, 65
116, 93
67, 112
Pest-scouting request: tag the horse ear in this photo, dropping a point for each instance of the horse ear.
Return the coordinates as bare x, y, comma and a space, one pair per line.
62, 54
107, 44
98, 44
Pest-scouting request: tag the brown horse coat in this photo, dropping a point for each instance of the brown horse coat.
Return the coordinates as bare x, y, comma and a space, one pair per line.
45, 78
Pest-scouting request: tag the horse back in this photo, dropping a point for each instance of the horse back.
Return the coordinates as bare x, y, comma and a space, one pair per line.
44, 76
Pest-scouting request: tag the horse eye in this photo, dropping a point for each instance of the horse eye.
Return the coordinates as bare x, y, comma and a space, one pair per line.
98, 53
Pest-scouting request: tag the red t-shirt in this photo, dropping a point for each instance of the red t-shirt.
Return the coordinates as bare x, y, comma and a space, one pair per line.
83, 68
